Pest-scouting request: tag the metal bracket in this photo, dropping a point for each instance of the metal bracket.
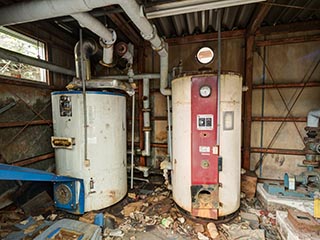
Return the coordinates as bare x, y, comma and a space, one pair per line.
68, 191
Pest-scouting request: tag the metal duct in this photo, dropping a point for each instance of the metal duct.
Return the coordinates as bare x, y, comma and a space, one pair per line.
43, 9
89, 48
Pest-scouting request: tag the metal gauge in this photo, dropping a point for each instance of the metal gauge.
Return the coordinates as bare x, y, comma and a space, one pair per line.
205, 91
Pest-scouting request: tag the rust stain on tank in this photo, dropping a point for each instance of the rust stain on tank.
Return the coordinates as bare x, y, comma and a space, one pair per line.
112, 195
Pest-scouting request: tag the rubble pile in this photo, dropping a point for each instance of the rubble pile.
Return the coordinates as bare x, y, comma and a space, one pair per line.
153, 212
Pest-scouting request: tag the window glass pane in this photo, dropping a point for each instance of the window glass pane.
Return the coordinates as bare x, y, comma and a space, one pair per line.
20, 43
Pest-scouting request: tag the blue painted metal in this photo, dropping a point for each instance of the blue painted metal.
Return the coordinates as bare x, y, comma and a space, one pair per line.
75, 205
282, 191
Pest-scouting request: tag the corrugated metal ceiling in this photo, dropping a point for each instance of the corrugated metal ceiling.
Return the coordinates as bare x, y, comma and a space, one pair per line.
233, 18
198, 22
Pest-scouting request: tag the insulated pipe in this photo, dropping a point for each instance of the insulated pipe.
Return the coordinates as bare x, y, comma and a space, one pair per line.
18, 57
134, 77
29, 11
89, 47
146, 117
132, 140
169, 128
107, 36
313, 118
164, 88
44, 9
94, 25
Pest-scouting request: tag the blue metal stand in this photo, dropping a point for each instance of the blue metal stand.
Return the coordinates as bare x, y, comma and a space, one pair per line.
68, 191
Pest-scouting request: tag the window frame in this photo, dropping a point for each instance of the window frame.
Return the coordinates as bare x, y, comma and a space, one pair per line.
32, 40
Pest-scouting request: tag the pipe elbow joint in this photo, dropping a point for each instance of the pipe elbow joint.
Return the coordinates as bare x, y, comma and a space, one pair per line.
149, 36
165, 91
106, 43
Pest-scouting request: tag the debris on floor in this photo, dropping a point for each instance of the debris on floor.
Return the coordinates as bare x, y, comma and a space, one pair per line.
28, 228
150, 213
40, 204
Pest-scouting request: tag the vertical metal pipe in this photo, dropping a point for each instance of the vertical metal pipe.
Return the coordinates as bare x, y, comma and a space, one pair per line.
262, 109
169, 128
219, 74
84, 99
146, 116
132, 140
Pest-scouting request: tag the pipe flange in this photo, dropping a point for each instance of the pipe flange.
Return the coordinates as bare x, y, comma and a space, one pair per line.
108, 43
146, 129
111, 65
161, 47
150, 36
146, 110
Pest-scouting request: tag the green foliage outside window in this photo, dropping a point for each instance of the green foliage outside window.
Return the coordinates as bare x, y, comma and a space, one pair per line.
20, 43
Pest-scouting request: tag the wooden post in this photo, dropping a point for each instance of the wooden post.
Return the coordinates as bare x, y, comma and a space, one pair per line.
248, 102
253, 27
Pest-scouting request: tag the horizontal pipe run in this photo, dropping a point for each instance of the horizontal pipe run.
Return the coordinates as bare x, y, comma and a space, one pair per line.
287, 85
156, 145
278, 151
268, 180
17, 57
34, 159
279, 119
134, 77
22, 124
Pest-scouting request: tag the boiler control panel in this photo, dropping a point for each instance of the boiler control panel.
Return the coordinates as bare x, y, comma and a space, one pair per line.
204, 149
65, 106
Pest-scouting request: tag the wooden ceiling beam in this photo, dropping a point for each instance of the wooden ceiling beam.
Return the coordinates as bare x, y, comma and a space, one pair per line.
290, 28
290, 40
258, 18
205, 37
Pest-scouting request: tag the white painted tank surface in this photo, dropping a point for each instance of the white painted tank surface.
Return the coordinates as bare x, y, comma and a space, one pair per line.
228, 141
104, 171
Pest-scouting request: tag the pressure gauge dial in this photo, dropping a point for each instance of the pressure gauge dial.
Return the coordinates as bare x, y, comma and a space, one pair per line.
205, 91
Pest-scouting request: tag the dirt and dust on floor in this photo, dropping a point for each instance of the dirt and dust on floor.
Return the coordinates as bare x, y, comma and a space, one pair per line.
147, 213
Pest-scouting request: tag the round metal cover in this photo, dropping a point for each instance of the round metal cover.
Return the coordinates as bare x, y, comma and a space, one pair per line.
205, 55
63, 194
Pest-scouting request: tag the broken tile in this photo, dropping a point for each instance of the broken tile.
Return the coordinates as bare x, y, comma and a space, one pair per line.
213, 231
198, 228
202, 236
251, 218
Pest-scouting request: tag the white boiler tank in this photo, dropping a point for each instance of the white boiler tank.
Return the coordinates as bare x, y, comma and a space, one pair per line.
206, 152
104, 170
